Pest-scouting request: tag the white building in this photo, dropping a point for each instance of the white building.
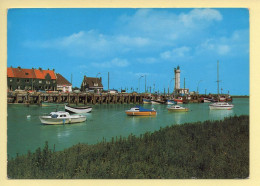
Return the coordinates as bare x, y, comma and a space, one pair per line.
63, 84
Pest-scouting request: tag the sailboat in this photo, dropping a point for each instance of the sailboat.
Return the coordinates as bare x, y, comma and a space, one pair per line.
220, 105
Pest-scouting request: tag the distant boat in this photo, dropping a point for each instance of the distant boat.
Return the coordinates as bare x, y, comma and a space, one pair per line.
222, 99
170, 102
179, 100
178, 108
208, 100
61, 117
157, 102
78, 110
139, 111
221, 106
146, 101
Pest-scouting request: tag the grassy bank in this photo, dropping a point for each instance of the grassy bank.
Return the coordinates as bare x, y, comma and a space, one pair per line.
212, 149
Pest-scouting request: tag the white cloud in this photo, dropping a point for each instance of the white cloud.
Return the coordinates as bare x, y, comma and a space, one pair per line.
148, 60
236, 44
197, 15
116, 62
180, 52
148, 30
223, 49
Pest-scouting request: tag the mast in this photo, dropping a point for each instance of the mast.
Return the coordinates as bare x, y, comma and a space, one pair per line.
108, 81
218, 77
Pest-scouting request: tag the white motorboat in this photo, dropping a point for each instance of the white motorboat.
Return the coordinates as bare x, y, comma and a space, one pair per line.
78, 110
140, 111
220, 106
177, 108
61, 117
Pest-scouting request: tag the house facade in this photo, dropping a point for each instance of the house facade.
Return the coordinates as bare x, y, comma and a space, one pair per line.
63, 84
31, 79
91, 84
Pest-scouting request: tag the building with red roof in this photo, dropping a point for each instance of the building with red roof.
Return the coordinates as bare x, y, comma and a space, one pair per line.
31, 79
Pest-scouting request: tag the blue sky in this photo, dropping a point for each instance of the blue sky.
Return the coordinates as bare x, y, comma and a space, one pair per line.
129, 43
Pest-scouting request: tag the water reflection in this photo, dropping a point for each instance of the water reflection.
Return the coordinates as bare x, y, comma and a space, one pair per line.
220, 114
178, 116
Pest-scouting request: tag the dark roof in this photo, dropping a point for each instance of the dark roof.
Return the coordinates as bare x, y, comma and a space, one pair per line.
61, 80
29, 73
90, 81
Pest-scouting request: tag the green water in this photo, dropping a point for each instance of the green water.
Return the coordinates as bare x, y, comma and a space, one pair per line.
105, 121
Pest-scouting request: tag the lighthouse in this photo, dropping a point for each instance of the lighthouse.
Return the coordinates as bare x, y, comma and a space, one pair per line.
177, 77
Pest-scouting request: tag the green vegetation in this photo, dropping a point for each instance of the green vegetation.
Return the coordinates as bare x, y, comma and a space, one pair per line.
212, 149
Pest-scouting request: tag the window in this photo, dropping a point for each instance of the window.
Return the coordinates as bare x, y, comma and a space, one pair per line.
27, 80
40, 81
54, 81
18, 80
48, 82
95, 84
26, 73
11, 80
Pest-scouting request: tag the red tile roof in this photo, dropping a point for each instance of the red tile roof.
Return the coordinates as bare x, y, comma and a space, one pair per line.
29, 73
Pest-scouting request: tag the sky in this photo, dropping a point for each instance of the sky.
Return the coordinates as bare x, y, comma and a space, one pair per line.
134, 45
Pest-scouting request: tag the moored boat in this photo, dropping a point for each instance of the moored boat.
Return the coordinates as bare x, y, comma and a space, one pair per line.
146, 101
140, 111
179, 100
221, 106
78, 110
61, 117
170, 102
157, 102
177, 108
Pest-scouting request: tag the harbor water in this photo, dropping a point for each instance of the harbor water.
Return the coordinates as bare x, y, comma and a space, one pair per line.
104, 122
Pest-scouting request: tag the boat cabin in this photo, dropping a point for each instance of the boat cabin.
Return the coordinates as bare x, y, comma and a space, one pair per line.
59, 114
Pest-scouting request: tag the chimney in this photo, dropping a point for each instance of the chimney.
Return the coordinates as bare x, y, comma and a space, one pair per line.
19, 67
53, 70
40, 68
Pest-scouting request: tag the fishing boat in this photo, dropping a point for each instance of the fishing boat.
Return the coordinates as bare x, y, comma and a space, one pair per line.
221, 106
61, 117
78, 110
146, 101
222, 99
177, 108
139, 111
179, 100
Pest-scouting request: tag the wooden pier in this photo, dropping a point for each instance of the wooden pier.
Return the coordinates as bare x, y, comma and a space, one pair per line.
74, 98
90, 98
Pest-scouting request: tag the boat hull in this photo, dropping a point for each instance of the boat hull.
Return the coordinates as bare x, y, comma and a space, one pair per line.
146, 101
78, 110
61, 121
178, 110
149, 113
220, 108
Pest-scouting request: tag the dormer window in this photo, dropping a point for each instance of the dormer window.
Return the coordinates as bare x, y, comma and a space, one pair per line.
95, 84
26, 73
